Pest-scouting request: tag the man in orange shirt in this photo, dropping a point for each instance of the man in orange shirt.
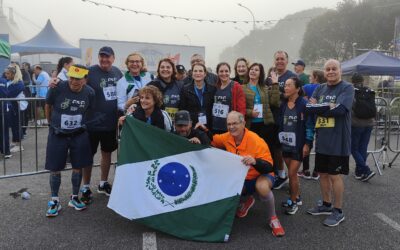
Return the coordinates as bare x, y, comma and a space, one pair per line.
260, 177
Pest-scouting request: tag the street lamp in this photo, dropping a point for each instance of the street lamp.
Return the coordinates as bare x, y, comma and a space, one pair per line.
251, 12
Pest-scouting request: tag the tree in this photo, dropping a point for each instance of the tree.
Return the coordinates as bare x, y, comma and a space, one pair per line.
337, 34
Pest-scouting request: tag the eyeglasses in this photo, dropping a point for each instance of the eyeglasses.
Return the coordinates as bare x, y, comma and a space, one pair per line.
134, 61
233, 124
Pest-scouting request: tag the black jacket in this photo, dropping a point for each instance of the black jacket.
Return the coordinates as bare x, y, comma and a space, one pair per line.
190, 102
157, 118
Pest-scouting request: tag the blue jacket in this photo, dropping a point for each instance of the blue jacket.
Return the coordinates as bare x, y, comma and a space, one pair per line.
305, 123
12, 91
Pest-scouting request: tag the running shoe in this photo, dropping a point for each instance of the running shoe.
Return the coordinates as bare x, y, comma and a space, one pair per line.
76, 203
87, 195
320, 209
366, 177
315, 176
292, 208
305, 174
105, 189
358, 175
280, 182
299, 202
16, 149
245, 206
334, 219
53, 207
277, 229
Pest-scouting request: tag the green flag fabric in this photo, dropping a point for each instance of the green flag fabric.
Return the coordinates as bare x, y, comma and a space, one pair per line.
169, 184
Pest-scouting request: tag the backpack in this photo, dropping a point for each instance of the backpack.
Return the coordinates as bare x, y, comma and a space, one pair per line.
364, 103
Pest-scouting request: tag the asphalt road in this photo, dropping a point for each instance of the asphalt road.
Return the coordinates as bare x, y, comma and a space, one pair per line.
371, 209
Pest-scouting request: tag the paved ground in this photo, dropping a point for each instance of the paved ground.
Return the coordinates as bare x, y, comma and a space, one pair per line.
367, 206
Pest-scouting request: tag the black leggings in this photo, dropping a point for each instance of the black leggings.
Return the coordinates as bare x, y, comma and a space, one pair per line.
269, 133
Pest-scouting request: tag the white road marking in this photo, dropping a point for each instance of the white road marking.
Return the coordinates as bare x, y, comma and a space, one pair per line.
388, 221
149, 241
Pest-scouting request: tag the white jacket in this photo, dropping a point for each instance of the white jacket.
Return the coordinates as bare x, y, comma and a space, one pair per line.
122, 87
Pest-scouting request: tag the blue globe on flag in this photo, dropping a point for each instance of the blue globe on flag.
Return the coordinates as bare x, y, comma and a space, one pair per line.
173, 178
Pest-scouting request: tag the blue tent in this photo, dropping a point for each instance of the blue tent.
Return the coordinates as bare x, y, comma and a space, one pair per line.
48, 41
372, 63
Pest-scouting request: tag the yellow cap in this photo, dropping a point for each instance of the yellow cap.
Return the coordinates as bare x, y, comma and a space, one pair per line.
77, 72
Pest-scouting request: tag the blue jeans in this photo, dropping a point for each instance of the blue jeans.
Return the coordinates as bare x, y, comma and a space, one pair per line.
359, 146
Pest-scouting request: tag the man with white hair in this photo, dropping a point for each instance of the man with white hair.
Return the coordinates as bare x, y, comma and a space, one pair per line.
332, 103
260, 177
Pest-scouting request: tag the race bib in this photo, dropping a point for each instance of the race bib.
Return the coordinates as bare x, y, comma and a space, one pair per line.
220, 110
288, 138
71, 121
325, 122
258, 108
202, 119
171, 112
110, 93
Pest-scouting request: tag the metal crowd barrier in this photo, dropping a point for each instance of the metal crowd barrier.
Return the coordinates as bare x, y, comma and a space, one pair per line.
386, 137
386, 132
394, 129
31, 160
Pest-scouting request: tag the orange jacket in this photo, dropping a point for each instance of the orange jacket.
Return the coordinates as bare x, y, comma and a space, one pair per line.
251, 145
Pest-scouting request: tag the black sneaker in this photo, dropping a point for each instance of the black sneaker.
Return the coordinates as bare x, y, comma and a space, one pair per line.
366, 177
87, 195
105, 189
279, 182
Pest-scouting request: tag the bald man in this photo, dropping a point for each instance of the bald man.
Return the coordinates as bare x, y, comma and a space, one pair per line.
331, 102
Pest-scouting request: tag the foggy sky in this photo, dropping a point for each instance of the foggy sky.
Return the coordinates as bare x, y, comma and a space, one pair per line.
75, 19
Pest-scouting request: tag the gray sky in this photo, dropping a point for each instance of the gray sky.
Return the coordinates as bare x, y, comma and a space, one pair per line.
75, 19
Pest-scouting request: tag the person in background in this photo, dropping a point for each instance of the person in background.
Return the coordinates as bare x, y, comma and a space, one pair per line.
133, 80
316, 78
149, 109
11, 87
183, 127
296, 135
198, 98
228, 96
210, 77
281, 73
299, 67
42, 84
102, 128
361, 129
180, 72
168, 85
63, 66
241, 70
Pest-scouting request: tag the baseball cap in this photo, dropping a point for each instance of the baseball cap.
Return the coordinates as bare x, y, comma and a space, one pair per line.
299, 62
77, 71
106, 51
182, 117
180, 68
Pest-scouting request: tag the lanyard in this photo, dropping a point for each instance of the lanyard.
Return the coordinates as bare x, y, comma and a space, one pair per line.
200, 96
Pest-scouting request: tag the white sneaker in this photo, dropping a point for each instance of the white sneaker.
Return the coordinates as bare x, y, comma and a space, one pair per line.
16, 149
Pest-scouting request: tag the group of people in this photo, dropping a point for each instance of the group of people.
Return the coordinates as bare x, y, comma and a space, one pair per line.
270, 118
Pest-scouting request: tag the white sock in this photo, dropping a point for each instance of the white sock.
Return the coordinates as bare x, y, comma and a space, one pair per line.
55, 199
87, 186
102, 183
282, 174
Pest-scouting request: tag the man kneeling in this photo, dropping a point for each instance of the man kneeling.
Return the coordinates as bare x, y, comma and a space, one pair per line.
260, 177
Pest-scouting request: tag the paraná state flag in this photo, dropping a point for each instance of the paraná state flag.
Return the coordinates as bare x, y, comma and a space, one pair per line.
167, 183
